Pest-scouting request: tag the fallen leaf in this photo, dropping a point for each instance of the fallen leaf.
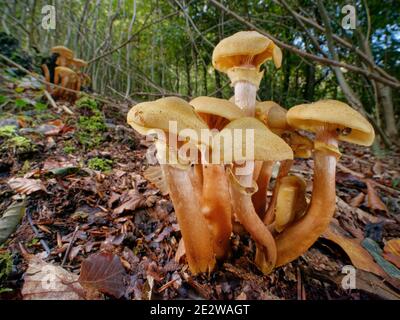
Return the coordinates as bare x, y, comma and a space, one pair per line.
26, 186
103, 272
374, 249
392, 252
357, 200
44, 281
377, 168
180, 252
10, 219
374, 201
359, 257
393, 246
156, 176
135, 201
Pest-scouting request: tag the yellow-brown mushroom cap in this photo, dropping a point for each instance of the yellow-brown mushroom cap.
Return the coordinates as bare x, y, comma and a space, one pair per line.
146, 116
218, 107
79, 63
272, 114
267, 145
245, 47
65, 71
63, 51
334, 113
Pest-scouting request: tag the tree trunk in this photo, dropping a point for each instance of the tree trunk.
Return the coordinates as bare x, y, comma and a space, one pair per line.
385, 98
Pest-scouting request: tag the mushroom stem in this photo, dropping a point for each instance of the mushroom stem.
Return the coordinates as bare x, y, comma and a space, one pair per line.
245, 97
260, 197
299, 237
216, 207
283, 172
244, 210
193, 225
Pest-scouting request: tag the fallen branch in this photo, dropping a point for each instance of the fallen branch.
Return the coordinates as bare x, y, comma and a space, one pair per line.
54, 105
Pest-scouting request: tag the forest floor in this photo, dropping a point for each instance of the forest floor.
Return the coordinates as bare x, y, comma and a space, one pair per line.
90, 213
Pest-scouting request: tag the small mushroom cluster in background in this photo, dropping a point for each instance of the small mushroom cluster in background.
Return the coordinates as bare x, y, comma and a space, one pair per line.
212, 200
65, 71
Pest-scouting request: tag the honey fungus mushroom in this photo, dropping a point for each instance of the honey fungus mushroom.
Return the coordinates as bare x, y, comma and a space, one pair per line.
240, 57
66, 78
331, 121
216, 202
77, 65
65, 55
267, 147
183, 183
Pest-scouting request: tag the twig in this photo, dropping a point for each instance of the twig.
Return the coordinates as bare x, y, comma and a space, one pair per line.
54, 105
70, 245
38, 234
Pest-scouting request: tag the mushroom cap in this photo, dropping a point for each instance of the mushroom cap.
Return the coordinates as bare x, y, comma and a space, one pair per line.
234, 50
79, 63
291, 201
267, 145
335, 113
218, 107
146, 116
272, 114
63, 52
65, 71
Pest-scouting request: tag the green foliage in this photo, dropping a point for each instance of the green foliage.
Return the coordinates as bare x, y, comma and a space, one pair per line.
6, 264
19, 145
86, 102
3, 99
40, 106
90, 131
21, 103
90, 126
7, 131
100, 164
69, 147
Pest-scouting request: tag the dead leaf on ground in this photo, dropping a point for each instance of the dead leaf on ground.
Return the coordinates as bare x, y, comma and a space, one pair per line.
374, 201
10, 219
392, 252
103, 272
44, 281
357, 200
180, 252
375, 250
26, 186
134, 200
359, 257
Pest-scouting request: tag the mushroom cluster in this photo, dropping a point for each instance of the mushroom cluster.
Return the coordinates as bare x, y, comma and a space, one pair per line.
65, 71
216, 161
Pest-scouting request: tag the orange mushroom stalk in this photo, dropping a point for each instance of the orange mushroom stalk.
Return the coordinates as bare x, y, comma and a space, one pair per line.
267, 147
184, 183
331, 121
215, 201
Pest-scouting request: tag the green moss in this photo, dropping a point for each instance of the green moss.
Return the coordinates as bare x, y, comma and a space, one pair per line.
69, 147
90, 130
100, 164
87, 103
6, 264
7, 132
19, 145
